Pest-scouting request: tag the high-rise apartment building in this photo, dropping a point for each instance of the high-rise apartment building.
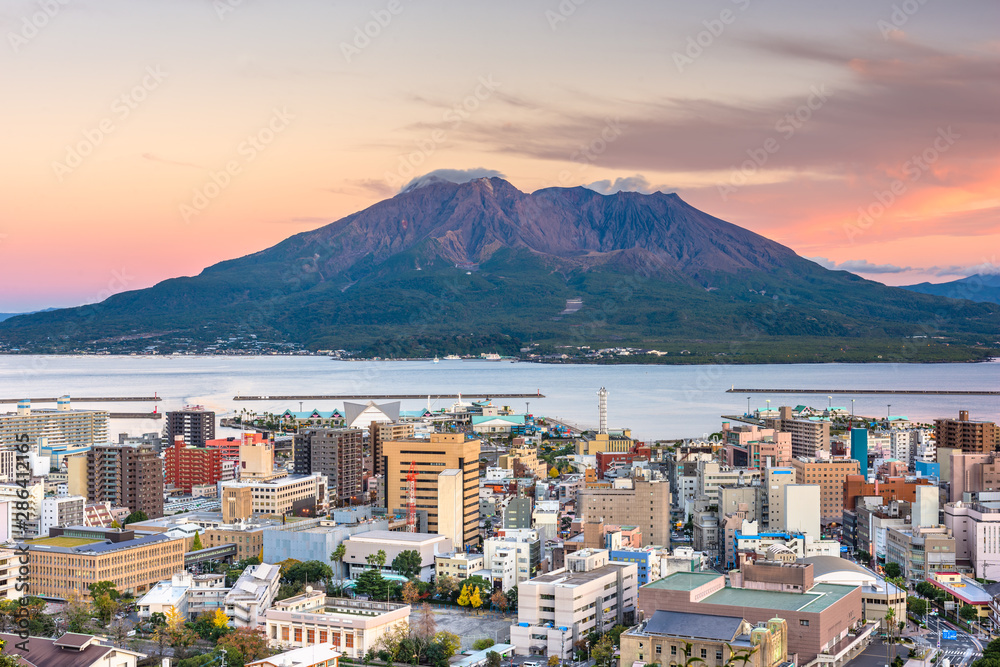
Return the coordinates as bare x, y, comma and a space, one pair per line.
437, 487
61, 428
972, 437
830, 475
809, 436
194, 422
189, 466
336, 453
646, 505
126, 476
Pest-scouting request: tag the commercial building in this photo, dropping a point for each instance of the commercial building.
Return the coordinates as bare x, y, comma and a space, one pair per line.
59, 428
611, 441
646, 559
877, 595
354, 627
775, 481
750, 446
304, 495
830, 475
358, 547
61, 511
970, 473
457, 565
314, 542
674, 637
971, 437
252, 595
73, 558
188, 466
822, 615
859, 449
336, 453
524, 546
380, 432
517, 514
892, 488
646, 505
194, 423
920, 551
450, 499
810, 436
558, 609
360, 415
525, 454
126, 476
229, 447
963, 590
976, 529
711, 477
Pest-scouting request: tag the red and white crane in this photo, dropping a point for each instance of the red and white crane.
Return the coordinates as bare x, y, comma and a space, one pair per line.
411, 500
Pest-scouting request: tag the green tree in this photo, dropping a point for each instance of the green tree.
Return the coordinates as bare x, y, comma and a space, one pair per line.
449, 641
196, 543
862, 556
337, 556
968, 612
893, 570
482, 644
106, 608
915, 605
407, 563
370, 583
101, 587
445, 586
135, 516
603, 652
493, 659
376, 559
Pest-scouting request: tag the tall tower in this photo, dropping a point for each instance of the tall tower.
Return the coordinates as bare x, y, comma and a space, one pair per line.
602, 407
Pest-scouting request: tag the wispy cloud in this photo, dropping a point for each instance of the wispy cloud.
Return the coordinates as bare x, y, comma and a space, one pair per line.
860, 266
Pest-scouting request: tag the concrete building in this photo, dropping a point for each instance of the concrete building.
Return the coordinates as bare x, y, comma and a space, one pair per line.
60, 428
194, 423
252, 595
314, 542
830, 475
304, 495
380, 432
775, 480
810, 436
646, 559
555, 610
672, 637
823, 615
229, 447
891, 488
646, 505
712, 477
438, 485
336, 453
802, 509
524, 454
971, 437
126, 476
69, 650
10, 563
317, 655
257, 462
749, 539
748, 498
612, 441
457, 565
72, 558
186, 594
524, 546
878, 596
859, 449
354, 627
359, 546
976, 529
187, 466
60, 511
12, 497
921, 551
750, 446
517, 514
361, 415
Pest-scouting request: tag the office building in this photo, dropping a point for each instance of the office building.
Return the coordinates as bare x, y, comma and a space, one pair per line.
303, 495
524, 454
354, 627
646, 505
336, 453
610, 441
802, 509
525, 546
517, 514
186, 594
859, 448
61, 428
188, 466
976, 529
126, 476
194, 423
830, 475
750, 446
810, 435
252, 595
891, 488
380, 432
558, 609
457, 565
61, 511
920, 551
775, 481
257, 462
672, 637
450, 499
72, 558
361, 545
971, 437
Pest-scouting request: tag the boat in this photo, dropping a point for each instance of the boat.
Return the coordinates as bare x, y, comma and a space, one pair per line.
492, 356
436, 360
452, 357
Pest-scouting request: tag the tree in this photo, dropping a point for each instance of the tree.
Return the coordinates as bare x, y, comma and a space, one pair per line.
890, 622
553, 660
101, 587
158, 618
337, 556
553, 472
376, 559
464, 598
499, 601
370, 583
410, 593
219, 619
244, 645
196, 544
493, 659
603, 652
449, 641
135, 516
968, 613
407, 563
425, 626
445, 586
106, 608
862, 556
482, 644
893, 570
512, 598
78, 613
917, 606
475, 600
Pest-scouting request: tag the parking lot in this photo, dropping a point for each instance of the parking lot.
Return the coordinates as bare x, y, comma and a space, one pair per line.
470, 626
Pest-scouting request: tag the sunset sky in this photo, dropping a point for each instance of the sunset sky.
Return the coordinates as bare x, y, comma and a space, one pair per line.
149, 139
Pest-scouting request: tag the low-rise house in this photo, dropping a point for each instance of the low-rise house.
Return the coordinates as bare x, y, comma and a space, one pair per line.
69, 650
319, 655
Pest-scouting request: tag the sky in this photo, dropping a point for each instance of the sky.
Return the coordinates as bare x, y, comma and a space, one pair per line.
149, 139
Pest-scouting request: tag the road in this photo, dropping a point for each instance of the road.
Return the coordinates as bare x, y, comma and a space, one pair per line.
963, 650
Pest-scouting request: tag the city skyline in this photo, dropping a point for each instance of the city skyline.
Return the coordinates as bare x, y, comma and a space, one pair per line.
148, 142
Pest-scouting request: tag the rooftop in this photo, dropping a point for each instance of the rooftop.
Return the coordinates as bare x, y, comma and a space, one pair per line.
694, 626
684, 581
392, 536
567, 578
967, 590
815, 600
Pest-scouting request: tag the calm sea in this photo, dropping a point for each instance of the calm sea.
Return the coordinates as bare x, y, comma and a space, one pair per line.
654, 401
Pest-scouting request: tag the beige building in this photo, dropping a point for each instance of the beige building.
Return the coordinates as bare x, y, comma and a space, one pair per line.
9, 564
830, 475
673, 637
361, 545
300, 494
457, 565
558, 609
809, 436
62, 427
379, 433
237, 503
71, 559
646, 505
920, 551
352, 626
76, 471
437, 486
612, 441
527, 455
257, 462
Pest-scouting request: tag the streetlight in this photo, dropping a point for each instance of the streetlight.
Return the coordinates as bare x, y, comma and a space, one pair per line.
829, 403
748, 406
852, 413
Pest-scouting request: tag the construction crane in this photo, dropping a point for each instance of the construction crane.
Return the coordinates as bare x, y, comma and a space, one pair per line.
411, 500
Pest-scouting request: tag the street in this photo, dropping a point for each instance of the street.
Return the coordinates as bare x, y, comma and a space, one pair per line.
962, 650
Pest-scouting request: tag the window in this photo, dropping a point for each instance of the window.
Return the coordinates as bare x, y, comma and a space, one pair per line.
349, 640
803, 622
704, 653
298, 634
718, 655
673, 650
659, 649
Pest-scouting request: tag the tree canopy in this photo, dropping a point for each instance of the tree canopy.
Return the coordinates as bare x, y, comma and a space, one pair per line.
407, 563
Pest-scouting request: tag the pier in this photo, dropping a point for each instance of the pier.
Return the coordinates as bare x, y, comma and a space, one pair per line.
135, 415
884, 392
387, 397
89, 399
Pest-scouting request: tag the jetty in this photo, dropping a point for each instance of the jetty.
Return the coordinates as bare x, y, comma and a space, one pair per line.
388, 397
88, 399
883, 392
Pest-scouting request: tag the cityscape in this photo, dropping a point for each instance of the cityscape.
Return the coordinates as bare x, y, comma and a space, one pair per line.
535, 333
